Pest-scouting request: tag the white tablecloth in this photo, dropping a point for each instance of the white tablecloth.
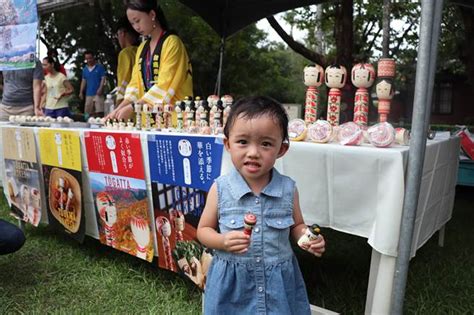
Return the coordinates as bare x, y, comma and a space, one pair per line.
360, 190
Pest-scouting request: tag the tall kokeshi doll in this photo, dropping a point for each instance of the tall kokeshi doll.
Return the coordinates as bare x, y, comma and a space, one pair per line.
227, 101
384, 87
313, 78
384, 90
167, 109
138, 115
335, 78
363, 76
108, 214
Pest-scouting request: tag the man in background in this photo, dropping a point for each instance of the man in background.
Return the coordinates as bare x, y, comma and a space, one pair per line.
22, 92
128, 41
93, 80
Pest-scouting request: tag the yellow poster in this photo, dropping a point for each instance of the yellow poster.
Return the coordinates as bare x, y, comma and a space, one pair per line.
60, 148
19, 144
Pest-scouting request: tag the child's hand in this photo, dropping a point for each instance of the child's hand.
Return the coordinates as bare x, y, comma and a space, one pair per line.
315, 247
236, 242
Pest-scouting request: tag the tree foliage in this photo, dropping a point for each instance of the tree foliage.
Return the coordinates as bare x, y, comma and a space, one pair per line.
252, 65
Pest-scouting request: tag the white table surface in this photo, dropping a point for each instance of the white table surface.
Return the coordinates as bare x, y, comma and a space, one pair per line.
357, 190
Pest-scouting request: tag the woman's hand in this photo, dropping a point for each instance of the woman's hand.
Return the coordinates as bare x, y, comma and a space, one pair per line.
236, 242
316, 247
125, 112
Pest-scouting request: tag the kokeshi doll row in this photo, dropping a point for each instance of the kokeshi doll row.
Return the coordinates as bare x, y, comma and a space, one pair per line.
349, 133
38, 119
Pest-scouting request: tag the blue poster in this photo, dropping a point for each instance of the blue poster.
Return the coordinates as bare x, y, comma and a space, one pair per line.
18, 27
189, 161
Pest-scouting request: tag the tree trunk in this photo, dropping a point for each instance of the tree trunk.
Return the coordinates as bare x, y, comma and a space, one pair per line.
386, 29
297, 47
344, 33
467, 50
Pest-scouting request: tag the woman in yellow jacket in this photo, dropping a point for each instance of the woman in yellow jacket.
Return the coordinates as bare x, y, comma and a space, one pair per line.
162, 70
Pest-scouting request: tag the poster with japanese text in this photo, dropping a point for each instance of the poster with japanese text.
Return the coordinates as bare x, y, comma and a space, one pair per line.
117, 179
60, 152
22, 174
182, 170
18, 28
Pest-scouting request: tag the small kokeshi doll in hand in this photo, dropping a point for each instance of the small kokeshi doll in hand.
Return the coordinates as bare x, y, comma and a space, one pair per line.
363, 76
335, 78
385, 91
313, 78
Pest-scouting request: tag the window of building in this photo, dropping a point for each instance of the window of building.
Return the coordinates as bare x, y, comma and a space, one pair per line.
442, 99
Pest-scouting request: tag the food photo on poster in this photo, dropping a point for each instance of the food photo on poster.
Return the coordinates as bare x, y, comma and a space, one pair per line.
60, 152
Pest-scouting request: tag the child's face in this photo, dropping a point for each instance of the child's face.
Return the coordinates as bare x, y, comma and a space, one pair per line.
254, 145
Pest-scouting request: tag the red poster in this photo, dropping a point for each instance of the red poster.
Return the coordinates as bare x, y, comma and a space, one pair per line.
117, 180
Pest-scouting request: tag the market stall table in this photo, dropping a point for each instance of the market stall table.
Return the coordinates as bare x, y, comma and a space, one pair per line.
356, 190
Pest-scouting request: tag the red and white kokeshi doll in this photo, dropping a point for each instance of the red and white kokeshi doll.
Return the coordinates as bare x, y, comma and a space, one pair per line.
108, 214
227, 101
385, 91
141, 235
163, 227
363, 76
313, 78
335, 78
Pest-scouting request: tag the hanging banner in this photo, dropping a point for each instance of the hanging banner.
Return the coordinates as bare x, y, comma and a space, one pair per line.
60, 153
18, 28
22, 174
182, 170
117, 180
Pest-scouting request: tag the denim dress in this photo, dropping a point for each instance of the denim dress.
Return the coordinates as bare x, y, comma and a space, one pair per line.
266, 279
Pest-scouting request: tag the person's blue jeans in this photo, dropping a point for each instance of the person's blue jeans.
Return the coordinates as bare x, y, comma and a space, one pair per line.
55, 113
11, 238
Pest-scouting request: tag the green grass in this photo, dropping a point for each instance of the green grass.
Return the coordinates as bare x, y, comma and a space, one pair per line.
54, 274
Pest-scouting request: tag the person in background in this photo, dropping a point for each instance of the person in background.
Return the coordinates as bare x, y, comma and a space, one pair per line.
258, 274
128, 41
162, 70
57, 89
93, 80
11, 238
54, 54
22, 92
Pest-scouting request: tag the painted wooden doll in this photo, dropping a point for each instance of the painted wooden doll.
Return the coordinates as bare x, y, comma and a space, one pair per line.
335, 79
313, 78
385, 91
362, 76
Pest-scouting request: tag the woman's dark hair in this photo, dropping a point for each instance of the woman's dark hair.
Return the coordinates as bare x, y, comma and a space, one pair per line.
148, 6
257, 106
123, 24
52, 61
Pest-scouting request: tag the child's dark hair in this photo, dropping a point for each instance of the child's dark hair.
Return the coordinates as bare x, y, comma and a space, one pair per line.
148, 6
257, 106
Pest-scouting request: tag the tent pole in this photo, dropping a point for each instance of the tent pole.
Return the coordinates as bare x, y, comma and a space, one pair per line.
221, 60
424, 81
433, 57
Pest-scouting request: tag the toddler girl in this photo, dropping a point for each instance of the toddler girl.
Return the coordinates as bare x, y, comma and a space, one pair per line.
257, 273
